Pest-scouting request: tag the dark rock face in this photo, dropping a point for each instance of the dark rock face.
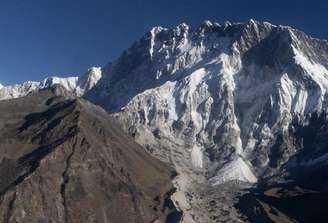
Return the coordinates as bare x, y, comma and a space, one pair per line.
298, 190
65, 160
284, 203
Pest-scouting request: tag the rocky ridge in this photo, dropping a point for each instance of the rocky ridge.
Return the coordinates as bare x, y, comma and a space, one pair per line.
66, 160
76, 85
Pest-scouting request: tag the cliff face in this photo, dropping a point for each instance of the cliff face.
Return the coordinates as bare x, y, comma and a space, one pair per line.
297, 192
65, 160
223, 92
217, 102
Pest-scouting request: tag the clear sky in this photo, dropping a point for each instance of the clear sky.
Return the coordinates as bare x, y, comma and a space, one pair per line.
39, 38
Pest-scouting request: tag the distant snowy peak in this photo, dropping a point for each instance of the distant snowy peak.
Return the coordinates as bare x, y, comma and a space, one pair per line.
76, 85
88, 80
69, 83
18, 90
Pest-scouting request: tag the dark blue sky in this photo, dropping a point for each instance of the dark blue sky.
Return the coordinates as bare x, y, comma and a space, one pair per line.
39, 38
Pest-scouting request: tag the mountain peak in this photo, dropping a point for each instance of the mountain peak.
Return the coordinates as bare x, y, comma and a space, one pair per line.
94, 69
76, 85
84, 160
183, 27
206, 23
94, 74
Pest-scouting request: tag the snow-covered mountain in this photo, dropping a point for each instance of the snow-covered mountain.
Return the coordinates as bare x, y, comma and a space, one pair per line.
216, 100
222, 90
76, 85
221, 103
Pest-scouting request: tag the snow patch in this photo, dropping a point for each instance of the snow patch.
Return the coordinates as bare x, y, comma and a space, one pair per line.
197, 157
287, 93
153, 32
165, 93
317, 71
237, 169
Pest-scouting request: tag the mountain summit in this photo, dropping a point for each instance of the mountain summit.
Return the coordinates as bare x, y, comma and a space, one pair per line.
225, 91
65, 160
217, 101
229, 106
76, 85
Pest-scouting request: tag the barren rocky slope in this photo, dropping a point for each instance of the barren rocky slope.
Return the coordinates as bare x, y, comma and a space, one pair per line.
65, 160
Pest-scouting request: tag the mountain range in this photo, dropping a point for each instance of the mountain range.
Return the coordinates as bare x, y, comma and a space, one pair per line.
238, 110
76, 85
